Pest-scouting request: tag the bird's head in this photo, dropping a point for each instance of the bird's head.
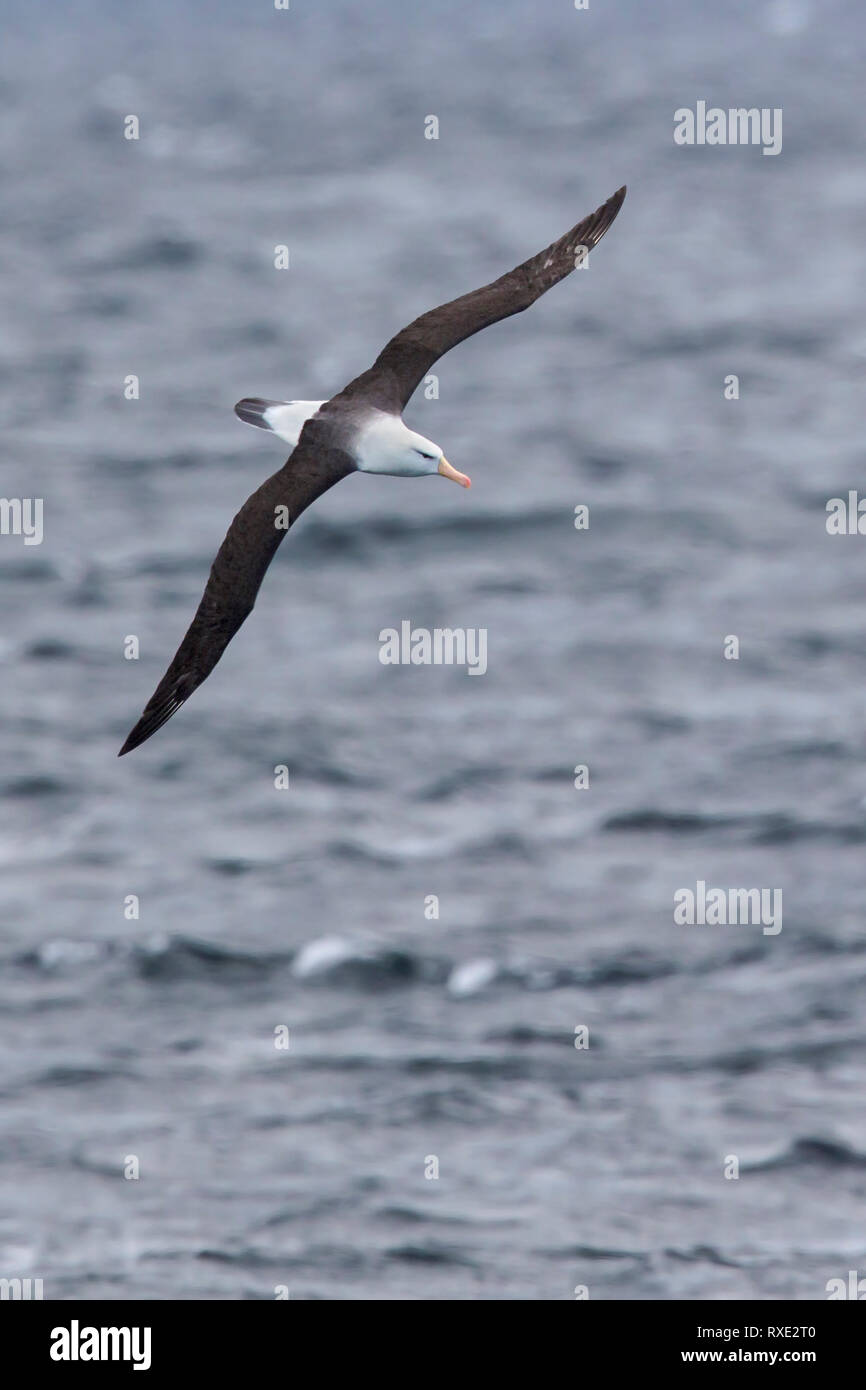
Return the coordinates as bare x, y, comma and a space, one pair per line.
421, 456
430, 459
389, 447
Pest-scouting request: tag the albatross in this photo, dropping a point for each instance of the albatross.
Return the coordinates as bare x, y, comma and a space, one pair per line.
359, 430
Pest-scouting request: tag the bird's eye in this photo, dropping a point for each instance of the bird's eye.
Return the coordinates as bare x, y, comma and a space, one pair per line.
423, 455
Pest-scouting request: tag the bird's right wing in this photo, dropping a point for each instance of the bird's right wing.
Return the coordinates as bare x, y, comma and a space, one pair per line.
407, 359
238, 570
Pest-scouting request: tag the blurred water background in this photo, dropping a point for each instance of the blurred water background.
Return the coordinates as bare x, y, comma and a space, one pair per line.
414, 1037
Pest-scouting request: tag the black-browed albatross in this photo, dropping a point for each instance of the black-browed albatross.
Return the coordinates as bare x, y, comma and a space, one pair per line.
361, 429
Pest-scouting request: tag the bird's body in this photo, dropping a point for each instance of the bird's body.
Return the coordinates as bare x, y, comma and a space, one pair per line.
359, 430
378, 441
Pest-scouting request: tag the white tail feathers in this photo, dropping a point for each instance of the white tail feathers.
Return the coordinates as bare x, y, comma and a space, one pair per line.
285, 419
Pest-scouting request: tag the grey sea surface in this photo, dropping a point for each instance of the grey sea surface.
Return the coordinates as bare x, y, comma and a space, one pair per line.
432, 1131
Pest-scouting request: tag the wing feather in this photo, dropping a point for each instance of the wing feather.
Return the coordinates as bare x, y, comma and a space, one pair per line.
408, 357
237, 573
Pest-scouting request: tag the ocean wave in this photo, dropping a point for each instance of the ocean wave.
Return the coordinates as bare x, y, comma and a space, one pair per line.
343, 963
810, 1152
763, 828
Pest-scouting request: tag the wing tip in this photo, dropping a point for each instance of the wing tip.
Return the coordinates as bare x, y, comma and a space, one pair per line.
593, 227
614, 203
152, 720
133, 739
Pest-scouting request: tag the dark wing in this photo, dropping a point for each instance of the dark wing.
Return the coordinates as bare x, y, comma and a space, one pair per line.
238, 570
408, 358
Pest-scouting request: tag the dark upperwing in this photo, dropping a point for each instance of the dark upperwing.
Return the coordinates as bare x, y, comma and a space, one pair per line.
407, 359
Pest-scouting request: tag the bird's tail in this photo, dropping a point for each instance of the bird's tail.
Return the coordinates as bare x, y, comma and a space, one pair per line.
253, 410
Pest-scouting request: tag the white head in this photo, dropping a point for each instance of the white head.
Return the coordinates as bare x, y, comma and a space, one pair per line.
387, 446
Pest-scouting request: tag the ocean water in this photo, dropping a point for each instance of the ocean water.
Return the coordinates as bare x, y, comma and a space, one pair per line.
432, 1131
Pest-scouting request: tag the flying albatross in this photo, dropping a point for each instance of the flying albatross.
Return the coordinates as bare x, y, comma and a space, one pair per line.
361, 429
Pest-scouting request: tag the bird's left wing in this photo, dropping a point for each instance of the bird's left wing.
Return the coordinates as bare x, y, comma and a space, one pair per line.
238, 570
407, 359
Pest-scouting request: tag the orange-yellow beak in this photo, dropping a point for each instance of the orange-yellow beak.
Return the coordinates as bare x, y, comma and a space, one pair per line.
448, 472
